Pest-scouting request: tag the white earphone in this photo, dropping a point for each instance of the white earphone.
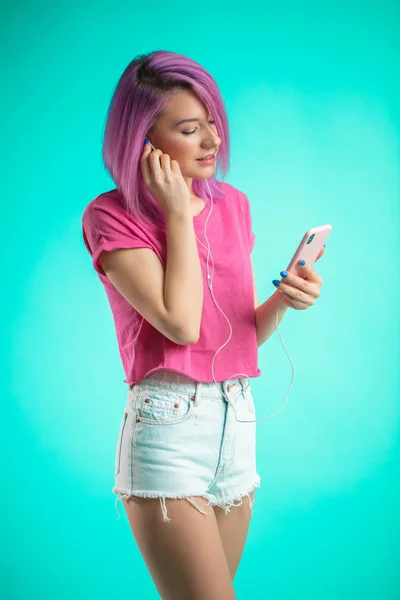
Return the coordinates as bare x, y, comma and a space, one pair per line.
209, 283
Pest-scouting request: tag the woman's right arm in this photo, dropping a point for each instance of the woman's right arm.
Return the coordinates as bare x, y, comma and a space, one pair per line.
183, 286
171, 300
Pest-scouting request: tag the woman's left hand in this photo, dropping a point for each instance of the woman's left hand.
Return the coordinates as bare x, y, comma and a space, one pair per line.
301, 292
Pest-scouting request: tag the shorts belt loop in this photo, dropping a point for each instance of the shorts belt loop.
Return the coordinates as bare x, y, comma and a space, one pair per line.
133, 393
225, 386
197, 393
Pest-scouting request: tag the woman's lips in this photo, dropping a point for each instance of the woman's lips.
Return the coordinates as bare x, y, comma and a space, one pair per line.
207, 161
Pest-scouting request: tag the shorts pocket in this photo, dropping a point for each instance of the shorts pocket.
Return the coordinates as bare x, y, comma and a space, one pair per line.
159, 406
119, 443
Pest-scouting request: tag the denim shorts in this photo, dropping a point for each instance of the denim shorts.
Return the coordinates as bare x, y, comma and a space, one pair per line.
180, 438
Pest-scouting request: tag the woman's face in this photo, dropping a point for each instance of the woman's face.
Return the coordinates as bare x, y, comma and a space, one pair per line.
182, 146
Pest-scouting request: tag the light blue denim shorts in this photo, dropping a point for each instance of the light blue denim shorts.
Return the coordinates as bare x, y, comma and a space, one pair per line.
179, 438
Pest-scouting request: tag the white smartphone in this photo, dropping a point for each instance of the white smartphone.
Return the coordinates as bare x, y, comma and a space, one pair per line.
309, 247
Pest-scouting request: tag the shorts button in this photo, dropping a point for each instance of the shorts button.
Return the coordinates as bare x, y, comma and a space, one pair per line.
147, 400
176, 405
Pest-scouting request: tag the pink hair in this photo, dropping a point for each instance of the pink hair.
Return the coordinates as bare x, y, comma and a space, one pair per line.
139, 97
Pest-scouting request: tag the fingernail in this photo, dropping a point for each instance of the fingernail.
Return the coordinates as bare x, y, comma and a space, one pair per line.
284, 274
302, 262
146, 141
276, 283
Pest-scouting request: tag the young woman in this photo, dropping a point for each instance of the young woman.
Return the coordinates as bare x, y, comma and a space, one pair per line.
172, 247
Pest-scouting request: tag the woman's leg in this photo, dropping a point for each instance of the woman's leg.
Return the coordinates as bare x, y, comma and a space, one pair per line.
233, 528
185, 556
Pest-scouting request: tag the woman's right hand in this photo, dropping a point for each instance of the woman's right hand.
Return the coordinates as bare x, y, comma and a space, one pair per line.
164, 180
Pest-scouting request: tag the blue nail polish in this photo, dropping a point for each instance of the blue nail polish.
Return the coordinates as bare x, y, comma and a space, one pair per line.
302, 262
146, 141
276, 283
284, 274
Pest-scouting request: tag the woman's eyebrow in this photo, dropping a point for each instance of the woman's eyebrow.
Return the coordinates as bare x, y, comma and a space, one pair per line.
186, 121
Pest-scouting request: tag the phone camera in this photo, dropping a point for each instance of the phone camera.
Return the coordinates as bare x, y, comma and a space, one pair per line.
310, 239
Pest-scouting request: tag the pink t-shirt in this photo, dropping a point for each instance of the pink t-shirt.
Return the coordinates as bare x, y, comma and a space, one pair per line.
106, 225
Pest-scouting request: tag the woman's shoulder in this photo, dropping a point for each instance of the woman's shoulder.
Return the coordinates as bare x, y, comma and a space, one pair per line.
234, 193
111, 199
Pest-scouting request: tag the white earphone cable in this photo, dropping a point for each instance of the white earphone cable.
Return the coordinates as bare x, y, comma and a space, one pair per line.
209, 283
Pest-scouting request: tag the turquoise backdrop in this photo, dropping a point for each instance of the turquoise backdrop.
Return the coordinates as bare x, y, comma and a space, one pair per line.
312, 93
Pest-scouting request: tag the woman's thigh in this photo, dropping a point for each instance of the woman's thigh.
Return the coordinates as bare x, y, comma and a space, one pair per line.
233, 530
185, 557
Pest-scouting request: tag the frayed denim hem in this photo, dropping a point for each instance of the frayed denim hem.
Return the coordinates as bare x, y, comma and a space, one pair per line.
226, 504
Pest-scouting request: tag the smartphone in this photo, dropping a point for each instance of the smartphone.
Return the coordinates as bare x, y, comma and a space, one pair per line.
309, 247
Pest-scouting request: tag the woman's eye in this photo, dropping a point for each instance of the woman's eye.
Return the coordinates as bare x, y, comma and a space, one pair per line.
190, 132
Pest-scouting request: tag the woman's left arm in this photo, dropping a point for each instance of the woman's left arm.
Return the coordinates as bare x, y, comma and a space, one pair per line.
298, 292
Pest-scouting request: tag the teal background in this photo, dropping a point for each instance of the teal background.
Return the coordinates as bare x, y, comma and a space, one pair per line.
312, 94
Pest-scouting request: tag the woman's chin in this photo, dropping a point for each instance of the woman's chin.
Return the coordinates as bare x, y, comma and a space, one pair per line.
203, 172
